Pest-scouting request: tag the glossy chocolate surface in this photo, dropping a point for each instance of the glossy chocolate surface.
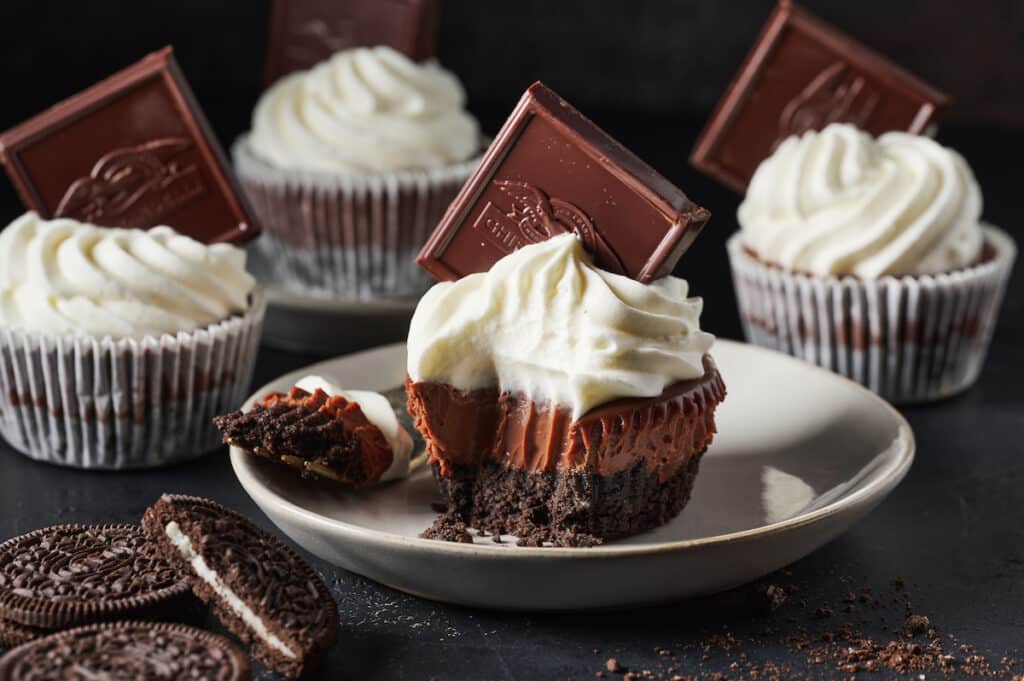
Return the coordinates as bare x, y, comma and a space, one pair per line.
803, 74
468, 428
132, 151
550, 171
304, 33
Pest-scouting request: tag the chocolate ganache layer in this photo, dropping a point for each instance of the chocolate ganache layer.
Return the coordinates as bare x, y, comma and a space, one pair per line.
470, 427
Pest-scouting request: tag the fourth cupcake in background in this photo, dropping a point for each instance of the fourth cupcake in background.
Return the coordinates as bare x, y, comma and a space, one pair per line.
868, 257
861, 246
350, 165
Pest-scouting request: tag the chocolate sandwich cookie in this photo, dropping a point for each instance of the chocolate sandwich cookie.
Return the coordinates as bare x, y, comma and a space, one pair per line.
132, 651
70, 575
13, 634
260, 589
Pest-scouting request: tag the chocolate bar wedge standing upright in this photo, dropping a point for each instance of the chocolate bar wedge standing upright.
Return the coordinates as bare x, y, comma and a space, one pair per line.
304, 33
549, 171
803, 74
134, 150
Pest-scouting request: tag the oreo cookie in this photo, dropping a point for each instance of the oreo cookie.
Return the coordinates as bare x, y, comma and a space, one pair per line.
70, 575
130, 651
13, 634
259, 588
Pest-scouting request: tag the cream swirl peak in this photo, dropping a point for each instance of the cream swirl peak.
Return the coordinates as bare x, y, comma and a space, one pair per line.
841, 202
65, 276
365, 110
545, 322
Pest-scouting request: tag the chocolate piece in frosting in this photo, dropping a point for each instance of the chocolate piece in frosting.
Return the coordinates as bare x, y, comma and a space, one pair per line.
132, 151
551, 171
803, 74
304, 33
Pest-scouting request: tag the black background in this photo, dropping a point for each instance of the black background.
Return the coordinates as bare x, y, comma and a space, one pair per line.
648, 71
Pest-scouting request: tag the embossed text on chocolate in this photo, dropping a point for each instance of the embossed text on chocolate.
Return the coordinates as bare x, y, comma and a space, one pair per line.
836, 95
534, 217
135, 186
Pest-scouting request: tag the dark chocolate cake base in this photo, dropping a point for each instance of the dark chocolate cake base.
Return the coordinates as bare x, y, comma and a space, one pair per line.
561, 508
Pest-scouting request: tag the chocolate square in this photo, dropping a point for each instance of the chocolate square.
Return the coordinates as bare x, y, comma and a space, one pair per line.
132, 151
801, 75
550, 171
304, 33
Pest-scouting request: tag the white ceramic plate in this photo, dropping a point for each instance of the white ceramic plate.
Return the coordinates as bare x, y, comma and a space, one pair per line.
801, 454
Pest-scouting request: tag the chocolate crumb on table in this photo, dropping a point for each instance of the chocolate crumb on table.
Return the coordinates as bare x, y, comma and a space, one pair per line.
840, 644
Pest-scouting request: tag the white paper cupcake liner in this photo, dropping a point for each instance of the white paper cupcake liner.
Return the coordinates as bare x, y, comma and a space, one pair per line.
357, 237
126, 403
909, 339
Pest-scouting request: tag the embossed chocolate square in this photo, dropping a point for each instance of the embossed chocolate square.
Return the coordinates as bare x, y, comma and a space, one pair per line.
803, 74
550, 171
131, 151
304, 33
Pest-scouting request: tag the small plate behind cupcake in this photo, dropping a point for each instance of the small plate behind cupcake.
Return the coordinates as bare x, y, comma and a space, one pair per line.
324, 324
801, 454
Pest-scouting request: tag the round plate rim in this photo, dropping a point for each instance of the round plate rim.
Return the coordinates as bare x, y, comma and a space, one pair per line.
883, 481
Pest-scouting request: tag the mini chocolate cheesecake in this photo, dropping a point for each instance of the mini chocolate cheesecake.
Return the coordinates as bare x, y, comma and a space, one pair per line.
508, 465
558, 373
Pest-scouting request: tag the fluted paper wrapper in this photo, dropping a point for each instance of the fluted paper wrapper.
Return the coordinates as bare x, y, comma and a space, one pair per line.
909, 339
125, 403
353, 236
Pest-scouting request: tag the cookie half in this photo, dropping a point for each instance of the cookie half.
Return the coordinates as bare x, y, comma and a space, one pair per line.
131, 651
13, 634
259, 588
70, 575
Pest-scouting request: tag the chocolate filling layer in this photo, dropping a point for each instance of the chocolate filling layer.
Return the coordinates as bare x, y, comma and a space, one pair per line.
507, 465
468, 428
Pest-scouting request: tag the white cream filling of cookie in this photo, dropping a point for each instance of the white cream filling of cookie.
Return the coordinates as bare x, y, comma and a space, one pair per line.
203, 571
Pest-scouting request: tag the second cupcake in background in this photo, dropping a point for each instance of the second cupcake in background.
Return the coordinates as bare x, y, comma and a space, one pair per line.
118, 346
868, 256
350, 165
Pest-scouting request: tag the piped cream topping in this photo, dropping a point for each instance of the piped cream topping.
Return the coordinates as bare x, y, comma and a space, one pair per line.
545, 322
365, 110
841, 202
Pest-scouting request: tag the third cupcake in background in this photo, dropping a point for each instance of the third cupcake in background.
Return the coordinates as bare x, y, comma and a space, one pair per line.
350, 165
868, 256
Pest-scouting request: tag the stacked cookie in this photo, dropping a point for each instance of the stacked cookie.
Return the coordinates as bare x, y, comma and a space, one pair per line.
112, 591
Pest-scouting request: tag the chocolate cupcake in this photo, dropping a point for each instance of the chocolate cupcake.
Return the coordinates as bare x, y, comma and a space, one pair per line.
118, 346
868, 256
560, 402
350, 165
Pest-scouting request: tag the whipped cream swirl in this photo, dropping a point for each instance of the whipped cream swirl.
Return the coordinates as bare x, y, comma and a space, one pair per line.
841, 202
65, 276
545, 322
365, 110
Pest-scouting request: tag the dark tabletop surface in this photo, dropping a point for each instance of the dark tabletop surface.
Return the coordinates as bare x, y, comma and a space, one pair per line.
953, 530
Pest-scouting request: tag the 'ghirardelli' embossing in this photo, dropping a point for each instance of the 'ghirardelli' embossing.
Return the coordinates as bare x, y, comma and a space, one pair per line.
315, 40
134, 186
836, 95
534, 217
